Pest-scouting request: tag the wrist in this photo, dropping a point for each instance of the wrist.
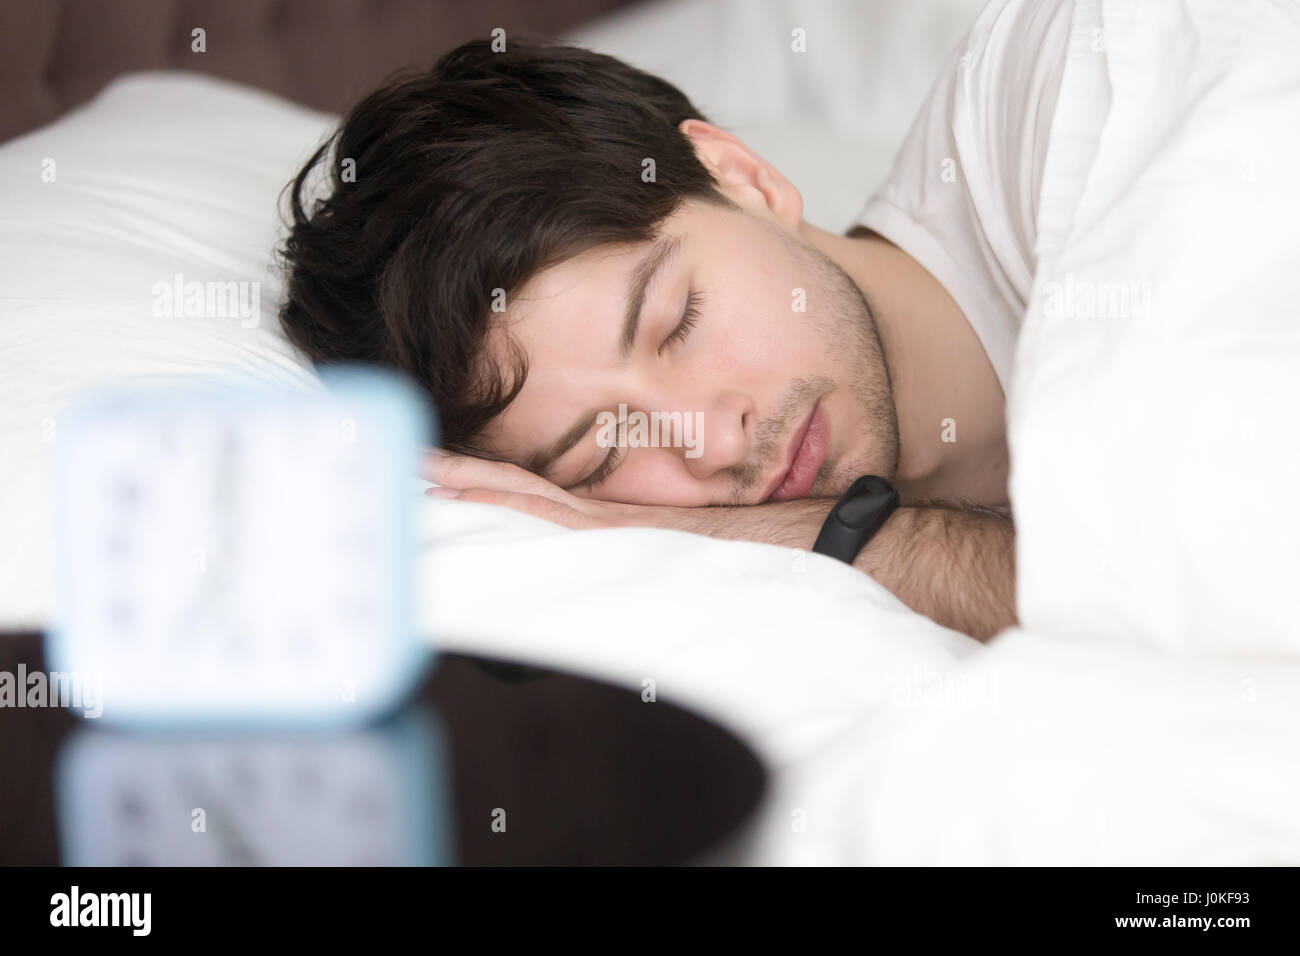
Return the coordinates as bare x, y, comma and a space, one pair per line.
880, 553
792, 524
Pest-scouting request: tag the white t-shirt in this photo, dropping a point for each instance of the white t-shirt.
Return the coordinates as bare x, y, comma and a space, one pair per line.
962, 199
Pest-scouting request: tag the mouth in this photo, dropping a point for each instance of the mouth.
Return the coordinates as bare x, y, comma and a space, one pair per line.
809, 446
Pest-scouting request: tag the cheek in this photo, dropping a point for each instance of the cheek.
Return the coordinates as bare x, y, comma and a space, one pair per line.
651, 476
761, 332
769, 314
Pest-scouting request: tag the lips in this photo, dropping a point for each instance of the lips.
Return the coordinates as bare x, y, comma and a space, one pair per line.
804, 458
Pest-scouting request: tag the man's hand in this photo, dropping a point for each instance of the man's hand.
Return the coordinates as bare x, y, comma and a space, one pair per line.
951, 562
501, 483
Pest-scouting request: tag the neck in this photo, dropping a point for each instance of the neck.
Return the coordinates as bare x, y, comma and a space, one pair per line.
951, 410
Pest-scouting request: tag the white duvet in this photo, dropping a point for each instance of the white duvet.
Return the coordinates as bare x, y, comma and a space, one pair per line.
1147, 710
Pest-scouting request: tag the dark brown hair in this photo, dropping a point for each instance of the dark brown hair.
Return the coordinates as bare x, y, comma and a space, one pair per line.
470, 177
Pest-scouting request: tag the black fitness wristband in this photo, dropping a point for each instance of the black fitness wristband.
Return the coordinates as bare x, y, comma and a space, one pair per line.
856, 517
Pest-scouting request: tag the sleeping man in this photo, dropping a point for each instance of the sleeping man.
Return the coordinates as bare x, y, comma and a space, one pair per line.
623, 319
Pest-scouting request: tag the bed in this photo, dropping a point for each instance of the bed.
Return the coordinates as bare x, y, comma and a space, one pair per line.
1144, 712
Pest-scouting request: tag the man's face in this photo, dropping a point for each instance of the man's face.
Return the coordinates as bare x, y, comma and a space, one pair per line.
778, 364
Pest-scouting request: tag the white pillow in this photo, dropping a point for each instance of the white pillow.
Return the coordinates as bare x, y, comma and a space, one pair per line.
163, 174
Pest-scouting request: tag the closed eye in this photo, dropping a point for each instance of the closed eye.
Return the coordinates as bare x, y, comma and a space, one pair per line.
689, 316
603, 471
679, 334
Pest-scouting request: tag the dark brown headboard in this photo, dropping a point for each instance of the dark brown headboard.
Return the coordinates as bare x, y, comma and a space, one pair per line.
55, 54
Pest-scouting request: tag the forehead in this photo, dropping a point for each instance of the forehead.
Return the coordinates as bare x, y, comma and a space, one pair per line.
576, 295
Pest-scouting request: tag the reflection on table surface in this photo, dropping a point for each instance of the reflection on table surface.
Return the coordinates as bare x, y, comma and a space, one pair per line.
490, 765
369, 797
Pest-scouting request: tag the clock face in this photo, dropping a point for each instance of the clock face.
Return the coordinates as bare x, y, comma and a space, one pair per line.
240, 551
374, 797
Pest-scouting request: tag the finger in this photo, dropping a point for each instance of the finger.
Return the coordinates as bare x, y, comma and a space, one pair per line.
463, 471
536, 505
429, 460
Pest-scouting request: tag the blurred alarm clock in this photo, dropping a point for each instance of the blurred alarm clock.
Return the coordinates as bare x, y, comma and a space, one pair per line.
240, 553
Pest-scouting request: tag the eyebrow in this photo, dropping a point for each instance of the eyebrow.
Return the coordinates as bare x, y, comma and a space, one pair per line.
644, 274
642, 277
542, 461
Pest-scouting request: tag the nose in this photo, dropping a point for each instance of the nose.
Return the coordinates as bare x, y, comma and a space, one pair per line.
724, 432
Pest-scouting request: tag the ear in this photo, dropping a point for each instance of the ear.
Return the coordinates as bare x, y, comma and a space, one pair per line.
743, 175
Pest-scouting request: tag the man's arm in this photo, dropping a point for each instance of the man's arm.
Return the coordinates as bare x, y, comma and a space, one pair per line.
953, 563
